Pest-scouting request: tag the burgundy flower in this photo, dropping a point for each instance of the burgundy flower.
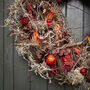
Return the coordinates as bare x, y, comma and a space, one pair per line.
66, 62
67, 51
29, 4
68, 57
49, 22
24, 21
61, 52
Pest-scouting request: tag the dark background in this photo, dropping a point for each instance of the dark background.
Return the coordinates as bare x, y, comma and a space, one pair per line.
14, 74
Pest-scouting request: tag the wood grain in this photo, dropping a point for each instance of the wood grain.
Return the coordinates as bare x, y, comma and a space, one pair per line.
21, 73
1, 45
8, 53
75, 18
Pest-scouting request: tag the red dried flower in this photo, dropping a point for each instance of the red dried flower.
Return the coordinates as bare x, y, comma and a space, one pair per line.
50, 59
24, 20
83, 71
67, 63
68, 56
49, 22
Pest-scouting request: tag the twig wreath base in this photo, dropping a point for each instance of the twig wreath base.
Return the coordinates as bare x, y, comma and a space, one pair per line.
43, 37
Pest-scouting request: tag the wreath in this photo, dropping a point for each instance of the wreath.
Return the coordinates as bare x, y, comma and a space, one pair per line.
43, 37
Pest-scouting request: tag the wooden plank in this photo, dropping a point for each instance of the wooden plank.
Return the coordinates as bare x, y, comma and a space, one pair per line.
1, 45
86, 21
38, 83
69, 87
21, 73
75, 18
86, 24
53, 85
8, 54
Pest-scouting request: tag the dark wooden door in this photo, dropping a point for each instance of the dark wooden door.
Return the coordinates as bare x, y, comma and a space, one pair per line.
14, 74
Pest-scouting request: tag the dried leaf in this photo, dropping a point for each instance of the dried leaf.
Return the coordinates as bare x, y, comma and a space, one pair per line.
36, 37
76, 50
88, 37
50, 15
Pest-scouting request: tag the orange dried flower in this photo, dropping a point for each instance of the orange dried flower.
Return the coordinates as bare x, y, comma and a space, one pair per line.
88, 37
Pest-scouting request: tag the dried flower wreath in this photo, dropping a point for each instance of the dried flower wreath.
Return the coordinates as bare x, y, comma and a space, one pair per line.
42, 36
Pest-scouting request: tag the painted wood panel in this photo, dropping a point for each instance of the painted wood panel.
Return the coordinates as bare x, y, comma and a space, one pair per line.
8, 53
1, 45
75, 18
86, 21
21, 73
